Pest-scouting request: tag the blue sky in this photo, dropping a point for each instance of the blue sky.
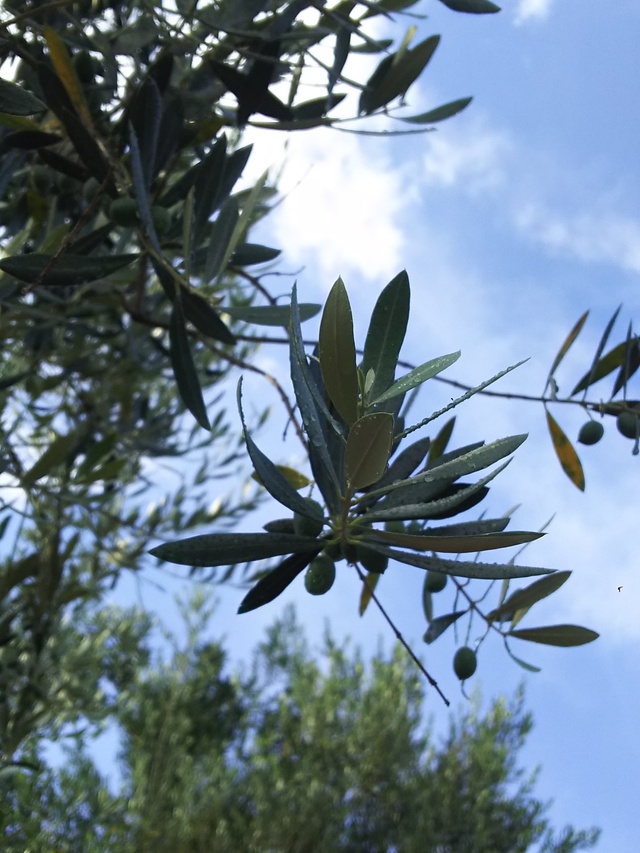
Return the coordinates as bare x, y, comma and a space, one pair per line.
511, 220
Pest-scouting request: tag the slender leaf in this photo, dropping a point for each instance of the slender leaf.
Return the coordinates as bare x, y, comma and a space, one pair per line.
274, 480
461, 568
207, 188
140, 187
64, 270
56, 453
337, 351
556, 635
368, 587
601, 345
204, 316
439, 113
271, 315
417, 376
440, 442
573, 334
440, 624
184, 368
630, 364
395, 77
406, 462
525, 598
275, 582
225, 549
247, 254
528, 666
61, 59
16, 101
386, 334
431, 540
606, 365
473, 7
220, 239
368, 449
565, 452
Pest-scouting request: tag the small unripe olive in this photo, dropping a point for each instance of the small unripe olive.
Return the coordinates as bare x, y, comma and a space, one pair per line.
465, 663
305, 526
627, 424
161, 219
320, 575
124, 211
394, 526
371, 560
435, 581
591, 432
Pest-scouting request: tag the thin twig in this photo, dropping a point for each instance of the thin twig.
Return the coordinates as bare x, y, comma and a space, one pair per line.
400, 638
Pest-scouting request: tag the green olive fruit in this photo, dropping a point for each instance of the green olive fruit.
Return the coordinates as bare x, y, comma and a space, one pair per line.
394, 526
320, 575
591, 432
350, 552
304, 526
90, 188
627, 424
372, 561
161, 219
465, 663
42, 179
334, 550
413, 527
124, 211
435, 581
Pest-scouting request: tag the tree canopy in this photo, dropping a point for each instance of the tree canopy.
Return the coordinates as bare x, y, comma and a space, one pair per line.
296, 753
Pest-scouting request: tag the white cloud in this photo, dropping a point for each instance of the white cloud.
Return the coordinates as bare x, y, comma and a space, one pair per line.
594, 236
342, 206
474, 158
532, 9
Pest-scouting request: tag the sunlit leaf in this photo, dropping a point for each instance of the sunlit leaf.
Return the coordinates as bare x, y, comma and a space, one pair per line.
184, 368
275, 582
368, 449
225, 549
370, 582
573, 334
430, 540
386, 333
440, 624
566, 453
66, 72
337, 352
417, 376
556, 635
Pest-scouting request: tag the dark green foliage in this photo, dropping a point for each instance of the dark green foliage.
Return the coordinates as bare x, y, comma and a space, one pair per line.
296, 754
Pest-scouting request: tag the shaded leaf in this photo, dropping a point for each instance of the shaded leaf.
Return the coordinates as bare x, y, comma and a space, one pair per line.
205, 317
29, 140
565, 452
337, 352
461, 568
274, 480
630, 364
368, 449
220, 239
386, 334
392, 79
64, 270
225, 549
606, 365
440, 624
473, 7
440, 442
140, 186
184, 368
248, 254
275, 582
16, 101
528, 666
207, 188
439, 113
58, 452
417, 376
432, 540
601, 345
61, 59
556, 635
525, 598
271, 315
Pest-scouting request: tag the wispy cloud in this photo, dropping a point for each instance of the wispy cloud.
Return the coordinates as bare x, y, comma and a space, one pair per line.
601, 237
472, 159
528, 10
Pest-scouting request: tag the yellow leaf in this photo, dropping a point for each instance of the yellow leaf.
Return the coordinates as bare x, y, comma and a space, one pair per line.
368, 587
63, 65
566, 453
